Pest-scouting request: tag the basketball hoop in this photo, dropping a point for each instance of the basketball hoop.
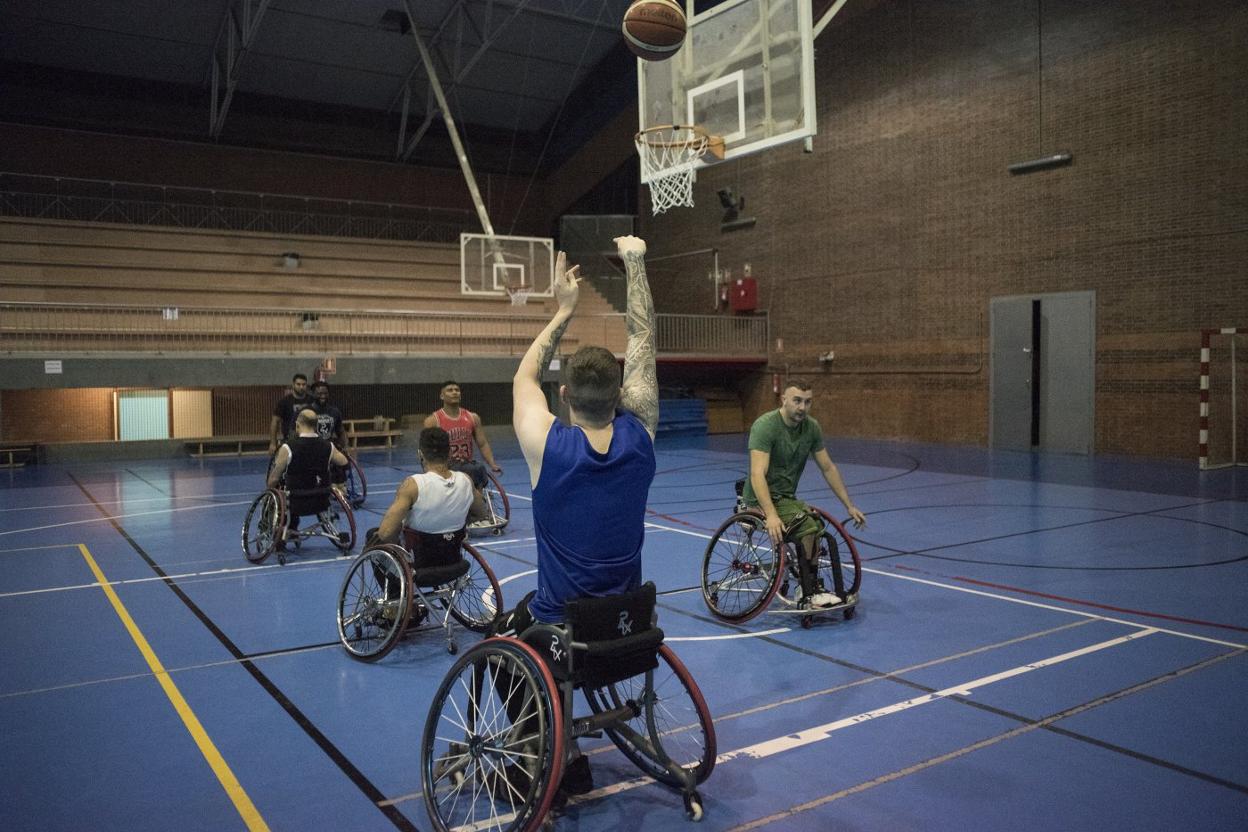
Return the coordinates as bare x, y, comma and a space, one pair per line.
669, 154
328, 367
519, 294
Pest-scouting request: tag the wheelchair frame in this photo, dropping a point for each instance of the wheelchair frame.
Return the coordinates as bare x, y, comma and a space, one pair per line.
371, 606
492, 766
269, 511
499, 505
771, 576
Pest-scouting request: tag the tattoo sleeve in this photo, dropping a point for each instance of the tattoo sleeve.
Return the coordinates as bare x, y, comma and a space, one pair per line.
550, 348
640, 391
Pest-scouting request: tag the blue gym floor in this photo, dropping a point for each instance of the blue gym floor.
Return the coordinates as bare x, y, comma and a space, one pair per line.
1043, 642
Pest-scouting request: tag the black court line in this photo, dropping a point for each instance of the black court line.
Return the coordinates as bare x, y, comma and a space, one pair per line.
366, 786
1001, 712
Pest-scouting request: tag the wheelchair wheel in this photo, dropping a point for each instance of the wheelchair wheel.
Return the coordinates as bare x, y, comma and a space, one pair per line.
839, 566
672, 721
493, 746
340, 522
264, 524
478, 598
741, 570
374, 602
356, 485
500, 506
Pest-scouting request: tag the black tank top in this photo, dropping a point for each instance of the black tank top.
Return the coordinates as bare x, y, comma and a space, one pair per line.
308, 471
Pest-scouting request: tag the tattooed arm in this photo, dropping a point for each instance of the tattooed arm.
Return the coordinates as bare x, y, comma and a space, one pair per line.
530, 415
639, 393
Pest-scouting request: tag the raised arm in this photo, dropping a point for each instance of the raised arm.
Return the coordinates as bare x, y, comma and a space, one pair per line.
639, 392
530, 415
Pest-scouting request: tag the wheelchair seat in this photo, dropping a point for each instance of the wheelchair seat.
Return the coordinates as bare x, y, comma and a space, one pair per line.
613, 638
303, 502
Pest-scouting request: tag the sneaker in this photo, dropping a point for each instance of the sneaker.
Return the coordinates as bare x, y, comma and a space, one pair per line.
823, 600
419, 613
484, 523
577, 777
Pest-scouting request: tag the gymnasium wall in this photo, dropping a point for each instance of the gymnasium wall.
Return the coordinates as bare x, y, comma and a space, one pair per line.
888, 241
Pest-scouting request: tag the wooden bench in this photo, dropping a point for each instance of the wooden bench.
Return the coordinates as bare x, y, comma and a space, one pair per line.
253, 445
9, 454
357, 429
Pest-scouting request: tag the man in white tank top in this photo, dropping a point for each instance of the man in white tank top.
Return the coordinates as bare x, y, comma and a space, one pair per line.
434, 504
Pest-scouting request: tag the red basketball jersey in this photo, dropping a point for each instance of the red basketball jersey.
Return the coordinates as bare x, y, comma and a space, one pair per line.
460, 430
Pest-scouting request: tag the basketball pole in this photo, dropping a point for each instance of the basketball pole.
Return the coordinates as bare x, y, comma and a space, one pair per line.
449, 119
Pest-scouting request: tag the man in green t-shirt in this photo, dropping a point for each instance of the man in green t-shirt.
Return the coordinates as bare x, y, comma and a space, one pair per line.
780, 443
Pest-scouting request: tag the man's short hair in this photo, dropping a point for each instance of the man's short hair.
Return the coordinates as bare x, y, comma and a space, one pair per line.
435, 445
298, 376
804, 386
448, 383
319, 384
306, 418
593, 378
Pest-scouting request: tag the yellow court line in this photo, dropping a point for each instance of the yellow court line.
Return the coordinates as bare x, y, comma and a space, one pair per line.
206, 747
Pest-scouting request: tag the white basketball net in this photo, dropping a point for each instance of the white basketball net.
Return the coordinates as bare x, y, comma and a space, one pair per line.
519, 295
668, 156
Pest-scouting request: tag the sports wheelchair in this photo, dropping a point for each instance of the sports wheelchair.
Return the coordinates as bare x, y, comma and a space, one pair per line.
498, 505
265, 527
501, 723
742, 571
382, 595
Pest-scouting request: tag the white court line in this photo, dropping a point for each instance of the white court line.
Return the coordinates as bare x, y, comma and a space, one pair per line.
1036, 604
226, 572
727, 636
73, 546
123, 517
174, 497
788, 742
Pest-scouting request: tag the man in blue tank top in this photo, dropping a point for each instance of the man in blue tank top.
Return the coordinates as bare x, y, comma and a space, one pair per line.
591, 476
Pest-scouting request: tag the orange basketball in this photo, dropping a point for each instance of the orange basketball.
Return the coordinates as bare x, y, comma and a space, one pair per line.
654, 29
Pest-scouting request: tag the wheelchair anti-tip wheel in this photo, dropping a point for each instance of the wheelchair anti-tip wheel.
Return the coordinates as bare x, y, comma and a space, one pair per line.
671, 722
262, 529
374, 602
339, 522
741, 569
477, 599
493, 746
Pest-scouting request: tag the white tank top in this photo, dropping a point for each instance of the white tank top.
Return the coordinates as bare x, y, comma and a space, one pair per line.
441, 504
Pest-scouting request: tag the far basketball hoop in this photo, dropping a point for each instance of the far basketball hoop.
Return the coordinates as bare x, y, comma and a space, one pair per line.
519, 294
669, 154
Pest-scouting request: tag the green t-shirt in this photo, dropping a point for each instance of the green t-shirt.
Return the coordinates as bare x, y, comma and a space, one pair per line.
789, 449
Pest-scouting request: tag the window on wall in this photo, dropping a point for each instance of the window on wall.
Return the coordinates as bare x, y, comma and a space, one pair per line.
142, 414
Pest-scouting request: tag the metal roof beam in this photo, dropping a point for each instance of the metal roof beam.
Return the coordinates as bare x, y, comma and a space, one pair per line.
238, 32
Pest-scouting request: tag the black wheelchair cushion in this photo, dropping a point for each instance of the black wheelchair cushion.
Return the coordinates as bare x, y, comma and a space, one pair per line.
301, 503
438, 575
429, 550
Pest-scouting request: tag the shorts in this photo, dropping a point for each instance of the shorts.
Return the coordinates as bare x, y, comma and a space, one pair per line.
475, 471
788, 508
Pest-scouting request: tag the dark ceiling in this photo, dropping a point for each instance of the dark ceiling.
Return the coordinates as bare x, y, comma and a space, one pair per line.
526, 80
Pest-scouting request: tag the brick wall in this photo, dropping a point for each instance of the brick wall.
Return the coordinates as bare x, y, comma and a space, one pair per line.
888, 241
79, 415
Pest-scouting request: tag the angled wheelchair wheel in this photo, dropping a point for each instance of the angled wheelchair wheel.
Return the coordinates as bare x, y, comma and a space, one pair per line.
839, 566
741, 569
493, 746
478, 599
374, 602
671, 722
262, 529
339, 522
356, 485
500, 506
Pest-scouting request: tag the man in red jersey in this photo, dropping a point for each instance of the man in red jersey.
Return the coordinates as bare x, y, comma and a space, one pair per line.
464, 427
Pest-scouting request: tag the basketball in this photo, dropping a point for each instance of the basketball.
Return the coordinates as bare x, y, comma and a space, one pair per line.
654, 29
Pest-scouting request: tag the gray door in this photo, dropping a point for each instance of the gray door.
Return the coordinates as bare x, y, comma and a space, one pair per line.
1010, 386
1067, 359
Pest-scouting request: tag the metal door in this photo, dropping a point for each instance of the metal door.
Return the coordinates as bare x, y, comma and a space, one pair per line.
1010, 385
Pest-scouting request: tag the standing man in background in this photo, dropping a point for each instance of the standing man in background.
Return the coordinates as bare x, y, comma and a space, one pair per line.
282, 425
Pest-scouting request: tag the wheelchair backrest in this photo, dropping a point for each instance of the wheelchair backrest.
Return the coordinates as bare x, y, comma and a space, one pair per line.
434, 549
611, 617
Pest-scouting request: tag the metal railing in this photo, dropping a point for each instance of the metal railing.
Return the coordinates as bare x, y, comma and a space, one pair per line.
94, 200
64, 328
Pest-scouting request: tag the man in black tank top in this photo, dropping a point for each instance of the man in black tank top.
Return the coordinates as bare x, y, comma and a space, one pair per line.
305, 463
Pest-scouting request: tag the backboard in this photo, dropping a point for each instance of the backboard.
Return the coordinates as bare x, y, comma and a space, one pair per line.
746, 72
491, 265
